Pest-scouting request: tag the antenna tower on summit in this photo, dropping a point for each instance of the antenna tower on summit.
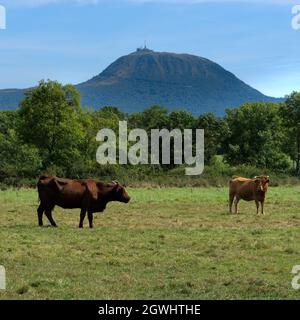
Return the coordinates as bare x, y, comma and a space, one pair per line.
143, 48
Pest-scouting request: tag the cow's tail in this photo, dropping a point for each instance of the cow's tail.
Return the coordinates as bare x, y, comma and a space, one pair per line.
41, 178
38, 188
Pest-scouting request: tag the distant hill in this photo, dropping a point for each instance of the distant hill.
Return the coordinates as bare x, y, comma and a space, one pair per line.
176, 81
10, 98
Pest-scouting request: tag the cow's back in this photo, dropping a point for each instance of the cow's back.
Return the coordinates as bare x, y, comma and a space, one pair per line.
242, 187
71, 194
65, 193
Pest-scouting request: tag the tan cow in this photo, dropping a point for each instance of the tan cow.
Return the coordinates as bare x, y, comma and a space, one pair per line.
249, 190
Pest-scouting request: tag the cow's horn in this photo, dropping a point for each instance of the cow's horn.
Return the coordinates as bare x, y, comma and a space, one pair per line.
115, 182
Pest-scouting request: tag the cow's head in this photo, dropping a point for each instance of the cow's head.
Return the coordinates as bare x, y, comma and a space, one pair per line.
262, 183
120, 193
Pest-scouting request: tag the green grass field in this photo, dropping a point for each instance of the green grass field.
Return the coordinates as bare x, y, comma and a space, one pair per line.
164, 244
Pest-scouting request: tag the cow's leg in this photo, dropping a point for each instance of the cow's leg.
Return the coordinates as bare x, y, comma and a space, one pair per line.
257, 206
236, 202
90, 217
262, 207
231, 198
40, 212
48, 213
82, 216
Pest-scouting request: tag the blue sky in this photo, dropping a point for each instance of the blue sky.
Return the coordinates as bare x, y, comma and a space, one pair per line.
73, 40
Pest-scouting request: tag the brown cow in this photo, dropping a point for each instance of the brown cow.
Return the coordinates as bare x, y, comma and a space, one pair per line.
88, 195
248, 189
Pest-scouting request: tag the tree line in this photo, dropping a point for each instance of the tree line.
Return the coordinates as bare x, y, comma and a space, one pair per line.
51, 132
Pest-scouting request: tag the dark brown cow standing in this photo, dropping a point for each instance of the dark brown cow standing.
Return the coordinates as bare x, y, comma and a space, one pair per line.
248, 189
88, 195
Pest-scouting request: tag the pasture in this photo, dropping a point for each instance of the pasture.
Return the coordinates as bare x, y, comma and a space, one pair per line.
169, 243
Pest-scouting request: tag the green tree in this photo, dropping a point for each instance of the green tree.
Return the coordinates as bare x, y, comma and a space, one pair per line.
50, 121
290, 111
256, 136
92, 122
107, 117
8, 120
155, 117
111, 112
215, 133
17, 160
181, 120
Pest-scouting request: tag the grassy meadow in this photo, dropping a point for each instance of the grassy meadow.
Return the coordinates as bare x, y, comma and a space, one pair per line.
167, 243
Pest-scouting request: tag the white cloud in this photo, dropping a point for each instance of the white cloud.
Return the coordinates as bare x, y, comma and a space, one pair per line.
35, 3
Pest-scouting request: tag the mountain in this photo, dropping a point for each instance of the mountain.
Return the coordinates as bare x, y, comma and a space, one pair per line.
176, 81
10, 98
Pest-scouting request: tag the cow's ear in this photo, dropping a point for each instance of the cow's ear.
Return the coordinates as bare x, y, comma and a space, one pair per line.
116, 185
118, 188
257, 181
92, 189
